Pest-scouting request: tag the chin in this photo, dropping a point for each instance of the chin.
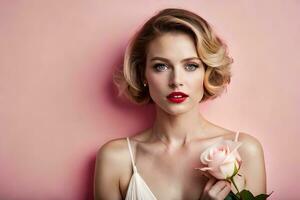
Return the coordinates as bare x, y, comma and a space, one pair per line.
175, 109
176, 112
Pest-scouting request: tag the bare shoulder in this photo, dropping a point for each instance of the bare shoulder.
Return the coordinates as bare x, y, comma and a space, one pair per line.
113, 151
113, 156
253, 167
250, 145
112, 161
117, 149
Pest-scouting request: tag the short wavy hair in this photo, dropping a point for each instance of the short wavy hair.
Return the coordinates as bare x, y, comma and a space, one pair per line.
210, 48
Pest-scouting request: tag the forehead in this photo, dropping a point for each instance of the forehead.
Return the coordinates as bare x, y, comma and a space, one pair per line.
172, 45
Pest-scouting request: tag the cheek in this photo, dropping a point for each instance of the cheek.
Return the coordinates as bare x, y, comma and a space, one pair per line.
156, 85
156, 81
196, 82
196, 87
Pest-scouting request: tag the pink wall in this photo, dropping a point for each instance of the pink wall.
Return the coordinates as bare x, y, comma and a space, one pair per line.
58, 105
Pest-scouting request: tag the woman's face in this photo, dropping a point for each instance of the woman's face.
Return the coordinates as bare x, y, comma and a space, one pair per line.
173, 65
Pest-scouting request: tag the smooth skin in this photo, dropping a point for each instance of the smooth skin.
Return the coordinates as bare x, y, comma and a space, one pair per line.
167, 153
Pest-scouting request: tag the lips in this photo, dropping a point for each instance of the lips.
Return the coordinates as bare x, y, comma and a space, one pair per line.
177, 97
177, 94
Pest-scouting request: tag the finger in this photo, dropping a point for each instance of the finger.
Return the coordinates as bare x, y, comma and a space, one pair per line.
206, 174
225, 191
216, 188
209, 184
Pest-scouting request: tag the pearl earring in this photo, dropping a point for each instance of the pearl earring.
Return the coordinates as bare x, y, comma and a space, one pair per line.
145, 84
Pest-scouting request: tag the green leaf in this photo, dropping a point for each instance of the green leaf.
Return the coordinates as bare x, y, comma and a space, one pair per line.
262, 196
246, 195
231, 196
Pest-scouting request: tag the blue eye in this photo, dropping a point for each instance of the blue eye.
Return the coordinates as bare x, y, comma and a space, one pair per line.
160, 67
192, 67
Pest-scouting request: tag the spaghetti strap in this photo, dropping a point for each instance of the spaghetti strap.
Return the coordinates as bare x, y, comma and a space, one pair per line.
131, 155
236, 136
137, 187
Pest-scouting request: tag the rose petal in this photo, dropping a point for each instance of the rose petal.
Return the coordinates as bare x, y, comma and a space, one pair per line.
205, 168
227, 169
233, 147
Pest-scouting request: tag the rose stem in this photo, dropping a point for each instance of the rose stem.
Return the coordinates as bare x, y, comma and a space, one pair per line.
235, 185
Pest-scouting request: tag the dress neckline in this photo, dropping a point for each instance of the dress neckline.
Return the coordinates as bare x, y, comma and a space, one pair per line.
136, 174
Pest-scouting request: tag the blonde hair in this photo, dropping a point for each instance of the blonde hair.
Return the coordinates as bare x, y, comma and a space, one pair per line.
210, 48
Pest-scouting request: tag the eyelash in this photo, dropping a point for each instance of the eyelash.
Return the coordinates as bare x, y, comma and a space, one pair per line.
161, 64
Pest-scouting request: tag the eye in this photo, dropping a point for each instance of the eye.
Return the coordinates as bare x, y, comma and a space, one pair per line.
160, 67
192, 67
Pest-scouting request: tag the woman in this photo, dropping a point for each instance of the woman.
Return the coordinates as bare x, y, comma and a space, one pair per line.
175, 61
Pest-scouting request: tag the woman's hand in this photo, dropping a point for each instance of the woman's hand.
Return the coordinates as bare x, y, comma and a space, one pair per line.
215, 189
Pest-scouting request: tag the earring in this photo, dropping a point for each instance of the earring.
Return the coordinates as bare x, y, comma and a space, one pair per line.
145, 84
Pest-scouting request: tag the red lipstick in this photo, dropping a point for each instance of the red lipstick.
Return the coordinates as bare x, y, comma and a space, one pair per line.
177, 97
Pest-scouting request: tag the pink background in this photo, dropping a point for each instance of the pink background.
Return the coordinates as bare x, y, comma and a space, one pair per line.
58, 105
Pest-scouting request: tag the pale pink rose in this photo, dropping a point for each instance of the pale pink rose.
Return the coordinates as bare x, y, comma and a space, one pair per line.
222, 159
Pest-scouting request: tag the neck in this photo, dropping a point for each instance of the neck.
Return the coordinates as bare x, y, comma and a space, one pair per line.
177, 130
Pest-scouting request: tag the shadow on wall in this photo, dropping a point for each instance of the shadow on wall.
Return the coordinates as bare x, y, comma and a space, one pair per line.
88, 191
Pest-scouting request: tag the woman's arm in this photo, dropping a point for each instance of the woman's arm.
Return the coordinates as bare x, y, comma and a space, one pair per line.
253, 166
107, 173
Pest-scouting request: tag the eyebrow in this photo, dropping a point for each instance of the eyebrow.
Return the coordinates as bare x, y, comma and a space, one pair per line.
166, 60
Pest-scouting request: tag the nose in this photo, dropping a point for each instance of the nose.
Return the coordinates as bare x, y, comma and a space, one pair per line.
176, 78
